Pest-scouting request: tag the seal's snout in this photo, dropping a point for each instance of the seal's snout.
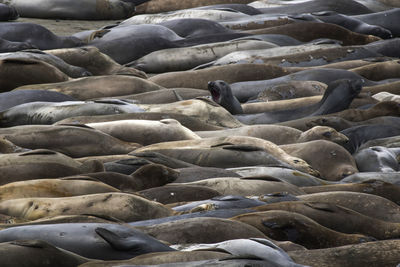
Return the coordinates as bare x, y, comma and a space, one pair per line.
211, 84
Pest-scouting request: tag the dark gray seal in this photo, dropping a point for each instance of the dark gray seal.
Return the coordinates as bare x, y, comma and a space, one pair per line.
17, 97
36, 35
360, 134
377, 159
350, 23
91, 240
191, 27
8, 46
8, 13
388, 19
243, 8
337, 97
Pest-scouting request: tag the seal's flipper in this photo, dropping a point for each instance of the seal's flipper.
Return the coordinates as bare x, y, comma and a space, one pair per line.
117, 242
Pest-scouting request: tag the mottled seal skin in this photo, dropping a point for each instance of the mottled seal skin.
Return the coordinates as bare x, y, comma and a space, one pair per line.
92, 240
87, 10
333, 161
220, 202
291, 226
338, 218
372, 186
36, 35
376, 207
201, 230
378, 159
53, 188
18, 72
131, 207
374, 254
37, 253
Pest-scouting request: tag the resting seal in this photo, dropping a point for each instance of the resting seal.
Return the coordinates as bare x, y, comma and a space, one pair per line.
8, 13
337, 97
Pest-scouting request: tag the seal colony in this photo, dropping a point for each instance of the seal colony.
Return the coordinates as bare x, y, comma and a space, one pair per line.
200, 133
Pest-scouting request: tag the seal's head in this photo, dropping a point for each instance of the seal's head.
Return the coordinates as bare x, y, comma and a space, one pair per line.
218, 90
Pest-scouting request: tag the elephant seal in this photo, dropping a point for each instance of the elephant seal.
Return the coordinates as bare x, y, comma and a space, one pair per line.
229, 73
161, 258
185, 58
8, 13
92, 240
158, 6
88, 10
36, 35
280, 135
174, 193
347, 22
378, 159
342, 6
194, 124
360, 134
192, 174
51, 112
248, 185
378, 253
387, 19
131, 207
219, 202
308, 31
337, 97
367, 204
64, 187
292, 89
333, 161
90, 58
387, 177
389, 142
335, 217
201, 230
42, 163
372, 186
246, 90
37, 253
15, 98
70, 70
8, 46
18, 72
98, 86
145, 132
219, 148
73, 141
291, 226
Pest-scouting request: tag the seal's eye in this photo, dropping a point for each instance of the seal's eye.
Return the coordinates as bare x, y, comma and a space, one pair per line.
327, 134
